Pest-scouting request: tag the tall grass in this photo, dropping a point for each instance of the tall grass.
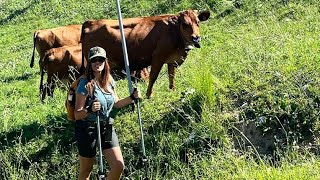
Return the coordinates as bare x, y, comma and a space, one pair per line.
258, 62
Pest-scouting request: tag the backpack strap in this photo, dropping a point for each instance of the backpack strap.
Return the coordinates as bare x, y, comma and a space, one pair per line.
75, 83
113, 83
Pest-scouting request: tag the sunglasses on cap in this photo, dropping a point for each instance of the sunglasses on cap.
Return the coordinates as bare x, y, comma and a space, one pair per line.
94, 60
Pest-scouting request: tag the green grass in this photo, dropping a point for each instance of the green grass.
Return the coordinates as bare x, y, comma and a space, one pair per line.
258, 63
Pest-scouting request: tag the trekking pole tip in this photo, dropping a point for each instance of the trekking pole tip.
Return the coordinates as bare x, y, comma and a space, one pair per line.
144, 159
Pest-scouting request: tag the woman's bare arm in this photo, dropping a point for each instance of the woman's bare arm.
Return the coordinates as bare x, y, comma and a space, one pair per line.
80, 112
120, 103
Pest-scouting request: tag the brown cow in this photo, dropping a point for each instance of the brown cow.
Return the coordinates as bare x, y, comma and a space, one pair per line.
154, 41
61, 64
46, 39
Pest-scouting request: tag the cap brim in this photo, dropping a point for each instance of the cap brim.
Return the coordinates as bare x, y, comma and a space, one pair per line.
98, 55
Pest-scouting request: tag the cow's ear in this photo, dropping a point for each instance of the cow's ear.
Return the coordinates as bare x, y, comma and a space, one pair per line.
48, 56
204, 15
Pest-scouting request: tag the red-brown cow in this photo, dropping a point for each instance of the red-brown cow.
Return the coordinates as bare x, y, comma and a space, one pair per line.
62, 63
154, 41
46, 39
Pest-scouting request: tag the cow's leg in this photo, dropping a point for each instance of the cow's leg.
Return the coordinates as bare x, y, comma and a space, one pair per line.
134, 75
51, 87
155, 70
144, 74
42, 93
171, 73
50, 84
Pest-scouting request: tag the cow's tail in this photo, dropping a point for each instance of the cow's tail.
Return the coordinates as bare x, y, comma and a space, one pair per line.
34, 46
81, 41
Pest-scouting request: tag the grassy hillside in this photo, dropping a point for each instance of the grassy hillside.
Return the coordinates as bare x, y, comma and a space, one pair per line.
246, 106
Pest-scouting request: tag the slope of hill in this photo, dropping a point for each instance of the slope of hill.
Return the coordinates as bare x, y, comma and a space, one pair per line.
247, 102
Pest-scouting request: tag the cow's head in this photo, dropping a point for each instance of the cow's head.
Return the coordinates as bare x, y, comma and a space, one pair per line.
189, 27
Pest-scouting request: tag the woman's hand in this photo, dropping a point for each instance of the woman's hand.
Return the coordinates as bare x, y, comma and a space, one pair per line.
95, 106
135, 95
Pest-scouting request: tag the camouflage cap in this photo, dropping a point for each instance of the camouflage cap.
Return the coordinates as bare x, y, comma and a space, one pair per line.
97, 52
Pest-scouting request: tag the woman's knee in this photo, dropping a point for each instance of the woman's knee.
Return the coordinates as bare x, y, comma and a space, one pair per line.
85, 172
118, 165
86, 169
86, 165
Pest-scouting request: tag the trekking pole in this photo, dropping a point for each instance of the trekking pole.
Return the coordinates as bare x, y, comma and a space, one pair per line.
144, 157
101, 174
126, 62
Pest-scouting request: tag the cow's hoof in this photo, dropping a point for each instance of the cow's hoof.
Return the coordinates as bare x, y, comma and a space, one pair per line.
172, 87
148, 95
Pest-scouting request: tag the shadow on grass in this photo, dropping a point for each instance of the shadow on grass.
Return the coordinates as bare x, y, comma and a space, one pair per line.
17, 13
56, 135
22, 135
23, 77
62, 133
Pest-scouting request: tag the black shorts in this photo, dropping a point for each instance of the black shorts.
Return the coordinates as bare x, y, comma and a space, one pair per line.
87, 137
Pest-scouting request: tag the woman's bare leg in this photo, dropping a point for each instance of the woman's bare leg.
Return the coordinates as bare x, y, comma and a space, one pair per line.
116, 163
86, 165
